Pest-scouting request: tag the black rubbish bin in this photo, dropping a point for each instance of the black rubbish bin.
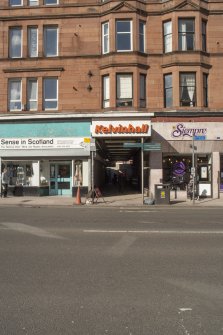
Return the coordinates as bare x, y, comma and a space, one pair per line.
162, 194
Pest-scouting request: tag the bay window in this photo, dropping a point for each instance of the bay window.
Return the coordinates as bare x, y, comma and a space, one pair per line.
186, 34
167, 36
123, 35
142, 27
188, 89
205, 90
142, 96
204, 36
105, 37
106, 91
168, 90
124, 90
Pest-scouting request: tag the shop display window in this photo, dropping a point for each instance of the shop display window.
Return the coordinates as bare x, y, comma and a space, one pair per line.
78, 168
221, 173
20, 173
176, 171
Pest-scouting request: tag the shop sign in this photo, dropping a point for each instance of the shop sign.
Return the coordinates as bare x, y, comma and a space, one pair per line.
122, 128
181, 130
43, 143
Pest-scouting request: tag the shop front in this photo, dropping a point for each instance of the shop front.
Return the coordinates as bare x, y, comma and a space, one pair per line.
46, 158
189, 150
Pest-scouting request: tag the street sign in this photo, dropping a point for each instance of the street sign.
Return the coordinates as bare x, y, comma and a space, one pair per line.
199, 137
152, 146
132, 145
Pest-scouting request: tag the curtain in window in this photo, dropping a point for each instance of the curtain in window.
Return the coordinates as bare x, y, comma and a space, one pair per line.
15, 43
33, 33
124, 86
190, 79
188, 89
15, 95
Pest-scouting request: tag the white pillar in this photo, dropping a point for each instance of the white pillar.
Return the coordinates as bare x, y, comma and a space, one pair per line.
215, 173
156, 171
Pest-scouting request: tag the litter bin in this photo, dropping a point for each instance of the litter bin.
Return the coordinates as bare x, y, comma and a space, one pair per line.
162, 194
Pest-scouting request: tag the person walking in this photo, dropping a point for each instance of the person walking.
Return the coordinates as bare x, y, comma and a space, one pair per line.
5, 181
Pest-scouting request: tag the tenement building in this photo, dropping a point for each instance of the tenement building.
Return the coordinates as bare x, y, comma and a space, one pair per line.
88, 83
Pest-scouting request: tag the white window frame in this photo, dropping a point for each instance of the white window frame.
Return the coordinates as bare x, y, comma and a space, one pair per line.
29, 80
21, 4
106, 91
45, 41
15, 80
44, 94
168, 36
127, 32
105, 38
11, 29
29, 41
143, 36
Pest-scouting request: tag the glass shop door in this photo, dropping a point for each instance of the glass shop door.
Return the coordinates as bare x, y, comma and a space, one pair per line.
60, 179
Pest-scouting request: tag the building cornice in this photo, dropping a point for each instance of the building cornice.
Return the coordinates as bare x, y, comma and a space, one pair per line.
67, 116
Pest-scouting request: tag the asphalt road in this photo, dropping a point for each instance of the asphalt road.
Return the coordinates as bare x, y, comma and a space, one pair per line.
98, 271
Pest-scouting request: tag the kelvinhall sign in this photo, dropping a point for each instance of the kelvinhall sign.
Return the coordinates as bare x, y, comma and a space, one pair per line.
180, 130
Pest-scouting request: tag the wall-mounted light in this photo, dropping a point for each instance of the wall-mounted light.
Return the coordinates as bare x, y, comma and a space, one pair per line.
89, 88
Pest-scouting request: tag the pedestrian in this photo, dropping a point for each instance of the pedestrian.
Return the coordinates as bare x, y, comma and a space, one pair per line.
5, 181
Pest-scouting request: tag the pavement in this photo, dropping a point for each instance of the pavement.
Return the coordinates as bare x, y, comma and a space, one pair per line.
116, 200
